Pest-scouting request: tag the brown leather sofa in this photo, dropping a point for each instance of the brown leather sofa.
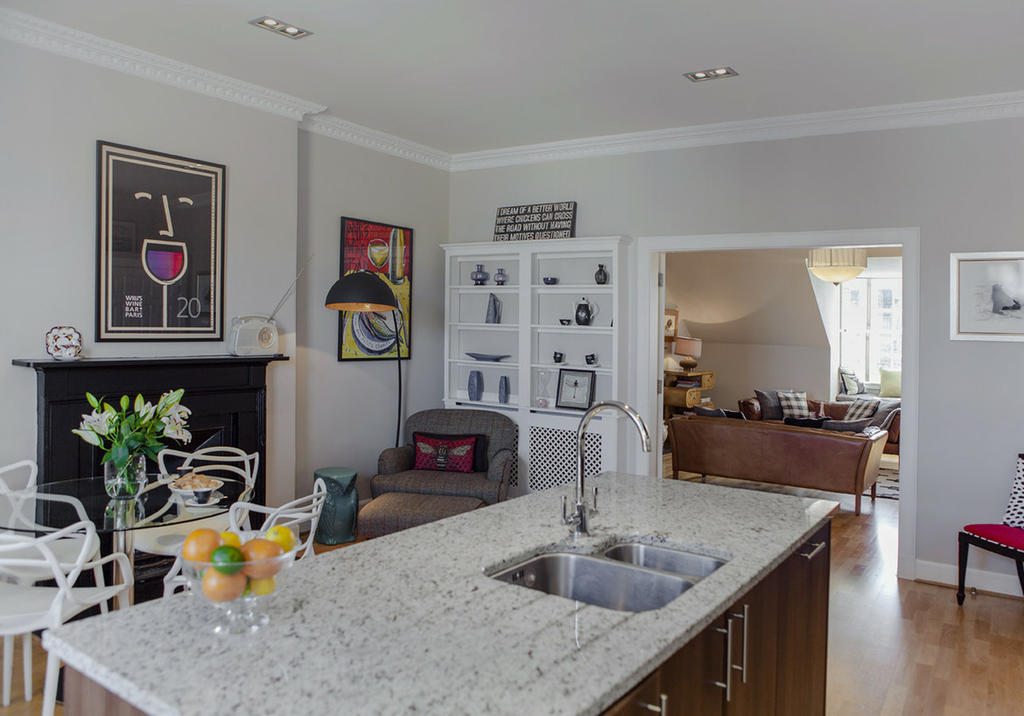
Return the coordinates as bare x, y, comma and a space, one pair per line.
751, 409
768, 451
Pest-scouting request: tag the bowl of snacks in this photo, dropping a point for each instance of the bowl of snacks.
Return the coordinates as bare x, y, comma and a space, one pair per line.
195, 488
238, 573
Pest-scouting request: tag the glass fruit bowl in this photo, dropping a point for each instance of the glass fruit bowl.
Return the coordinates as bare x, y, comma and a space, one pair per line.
238, 584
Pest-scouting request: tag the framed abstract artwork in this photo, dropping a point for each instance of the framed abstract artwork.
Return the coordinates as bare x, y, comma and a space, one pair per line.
160, 246
385, 250
986, 296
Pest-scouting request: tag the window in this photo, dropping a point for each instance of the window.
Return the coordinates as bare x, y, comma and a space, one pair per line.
871, 319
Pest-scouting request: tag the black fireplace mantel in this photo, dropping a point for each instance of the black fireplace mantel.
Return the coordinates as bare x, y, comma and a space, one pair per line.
227, 395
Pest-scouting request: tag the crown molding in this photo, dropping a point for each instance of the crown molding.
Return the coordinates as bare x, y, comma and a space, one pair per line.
898, 116
342, 130
51, 37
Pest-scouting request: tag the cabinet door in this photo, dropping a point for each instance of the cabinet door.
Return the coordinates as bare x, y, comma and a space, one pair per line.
645, 699
693, 679
803, 629
754, 646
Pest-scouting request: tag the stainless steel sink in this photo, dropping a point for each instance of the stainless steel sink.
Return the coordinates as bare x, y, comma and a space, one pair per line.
601, 582
687, 564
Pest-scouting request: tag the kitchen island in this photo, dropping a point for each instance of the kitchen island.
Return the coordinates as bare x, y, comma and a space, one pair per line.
412, 622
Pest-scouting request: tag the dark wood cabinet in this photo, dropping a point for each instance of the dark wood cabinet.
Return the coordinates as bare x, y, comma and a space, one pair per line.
803, 620
765, 655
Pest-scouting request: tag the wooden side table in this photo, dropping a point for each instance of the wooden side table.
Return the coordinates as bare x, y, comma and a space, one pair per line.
687, 397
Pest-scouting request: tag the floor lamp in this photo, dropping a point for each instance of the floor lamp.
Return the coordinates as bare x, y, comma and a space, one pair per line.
361, 292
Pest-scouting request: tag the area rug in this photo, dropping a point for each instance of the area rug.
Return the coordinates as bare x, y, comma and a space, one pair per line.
888, 483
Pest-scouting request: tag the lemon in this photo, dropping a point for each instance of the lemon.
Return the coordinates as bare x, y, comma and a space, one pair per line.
261, 587
230, 539
283, 536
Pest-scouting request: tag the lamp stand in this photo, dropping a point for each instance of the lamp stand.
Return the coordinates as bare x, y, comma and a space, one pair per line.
398, 358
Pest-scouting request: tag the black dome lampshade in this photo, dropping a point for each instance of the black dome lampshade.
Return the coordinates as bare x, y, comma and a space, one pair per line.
361, 291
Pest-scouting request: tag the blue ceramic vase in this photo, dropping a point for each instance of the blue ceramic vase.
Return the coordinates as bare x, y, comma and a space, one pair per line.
476, 385
503, 389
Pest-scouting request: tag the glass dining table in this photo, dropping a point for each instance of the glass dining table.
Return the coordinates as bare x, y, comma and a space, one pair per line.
158, 507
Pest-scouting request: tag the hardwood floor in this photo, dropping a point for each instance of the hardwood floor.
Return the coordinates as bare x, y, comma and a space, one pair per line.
20, 707
895, 647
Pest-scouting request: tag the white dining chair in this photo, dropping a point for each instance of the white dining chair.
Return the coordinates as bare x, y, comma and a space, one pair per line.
300, 514
25, 608
19, 508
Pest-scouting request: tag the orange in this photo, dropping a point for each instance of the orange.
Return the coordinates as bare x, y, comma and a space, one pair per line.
261, 549
220, 587
199, 545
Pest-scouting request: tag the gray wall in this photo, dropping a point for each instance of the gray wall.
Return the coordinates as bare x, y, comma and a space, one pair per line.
347, 410
757, 314
54, 109
961, 184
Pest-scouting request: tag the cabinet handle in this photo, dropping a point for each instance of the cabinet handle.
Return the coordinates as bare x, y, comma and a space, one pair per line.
727, 685
745, 616
817, 548
662, 709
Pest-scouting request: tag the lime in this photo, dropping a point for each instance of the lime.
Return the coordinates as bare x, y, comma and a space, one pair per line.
227, 559
230, 538
262, 587
281, 535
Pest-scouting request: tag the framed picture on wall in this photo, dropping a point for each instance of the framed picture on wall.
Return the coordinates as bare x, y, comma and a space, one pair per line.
671, 323
160, 246
386, 250
575, 389
986, 296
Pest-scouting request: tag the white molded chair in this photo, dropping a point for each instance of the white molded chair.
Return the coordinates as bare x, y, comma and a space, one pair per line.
219, 462
300, 514
20, 505
25, 608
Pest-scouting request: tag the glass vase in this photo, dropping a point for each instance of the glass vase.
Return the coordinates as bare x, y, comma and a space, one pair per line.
128, 482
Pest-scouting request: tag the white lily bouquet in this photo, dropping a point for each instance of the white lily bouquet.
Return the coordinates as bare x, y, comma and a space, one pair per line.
131, 434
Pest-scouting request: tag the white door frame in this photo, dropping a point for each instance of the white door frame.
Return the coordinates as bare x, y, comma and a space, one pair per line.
647, 252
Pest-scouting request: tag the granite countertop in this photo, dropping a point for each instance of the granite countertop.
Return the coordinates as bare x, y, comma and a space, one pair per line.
410, 622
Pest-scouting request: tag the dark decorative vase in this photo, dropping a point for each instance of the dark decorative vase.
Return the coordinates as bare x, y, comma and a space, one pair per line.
338, 519
479, 276
503, 389
601, 275
476, 385
500, 277
584, 312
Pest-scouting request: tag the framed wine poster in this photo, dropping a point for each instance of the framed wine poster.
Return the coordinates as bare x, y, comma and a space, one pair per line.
160, 236
385, 250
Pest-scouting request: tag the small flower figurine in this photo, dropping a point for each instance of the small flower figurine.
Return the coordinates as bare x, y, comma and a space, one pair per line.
131, 434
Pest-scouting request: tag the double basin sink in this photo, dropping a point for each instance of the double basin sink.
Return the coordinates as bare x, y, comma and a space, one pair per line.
628, 576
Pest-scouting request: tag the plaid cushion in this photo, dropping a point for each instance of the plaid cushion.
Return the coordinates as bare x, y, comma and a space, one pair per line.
861, 408
794, 404
1015, 509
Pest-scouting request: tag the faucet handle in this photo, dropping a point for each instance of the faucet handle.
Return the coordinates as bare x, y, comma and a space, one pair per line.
594, 508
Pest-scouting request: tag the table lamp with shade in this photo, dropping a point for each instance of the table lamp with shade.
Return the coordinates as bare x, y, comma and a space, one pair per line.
688, 349
361, 292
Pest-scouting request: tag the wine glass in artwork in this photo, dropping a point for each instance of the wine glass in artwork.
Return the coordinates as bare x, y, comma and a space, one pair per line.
378, 251
164, 261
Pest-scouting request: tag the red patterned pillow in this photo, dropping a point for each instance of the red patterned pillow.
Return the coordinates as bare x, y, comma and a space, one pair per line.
447, 455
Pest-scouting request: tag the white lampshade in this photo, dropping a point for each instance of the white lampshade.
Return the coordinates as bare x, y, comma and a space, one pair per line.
837, 265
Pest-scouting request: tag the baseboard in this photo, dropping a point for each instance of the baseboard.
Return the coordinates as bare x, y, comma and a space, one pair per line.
995, 582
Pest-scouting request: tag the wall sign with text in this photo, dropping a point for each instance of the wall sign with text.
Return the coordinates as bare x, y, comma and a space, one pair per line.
161, 246
536, 221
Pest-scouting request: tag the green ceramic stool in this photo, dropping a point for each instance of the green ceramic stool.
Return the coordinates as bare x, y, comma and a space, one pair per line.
338, 519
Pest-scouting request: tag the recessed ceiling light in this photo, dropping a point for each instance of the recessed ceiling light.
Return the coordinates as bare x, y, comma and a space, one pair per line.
280, 27
713, 74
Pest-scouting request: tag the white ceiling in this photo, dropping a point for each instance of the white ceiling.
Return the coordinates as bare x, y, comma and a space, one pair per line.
467, 75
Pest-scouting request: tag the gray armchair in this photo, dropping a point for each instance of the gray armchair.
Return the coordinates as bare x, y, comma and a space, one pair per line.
394, 467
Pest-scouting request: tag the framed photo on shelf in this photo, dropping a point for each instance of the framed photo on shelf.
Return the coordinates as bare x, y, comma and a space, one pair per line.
160, 237
671, 323
986, 296
386, 250
575, 388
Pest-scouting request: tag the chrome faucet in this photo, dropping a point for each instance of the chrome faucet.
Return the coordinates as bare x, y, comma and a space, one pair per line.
580, 519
